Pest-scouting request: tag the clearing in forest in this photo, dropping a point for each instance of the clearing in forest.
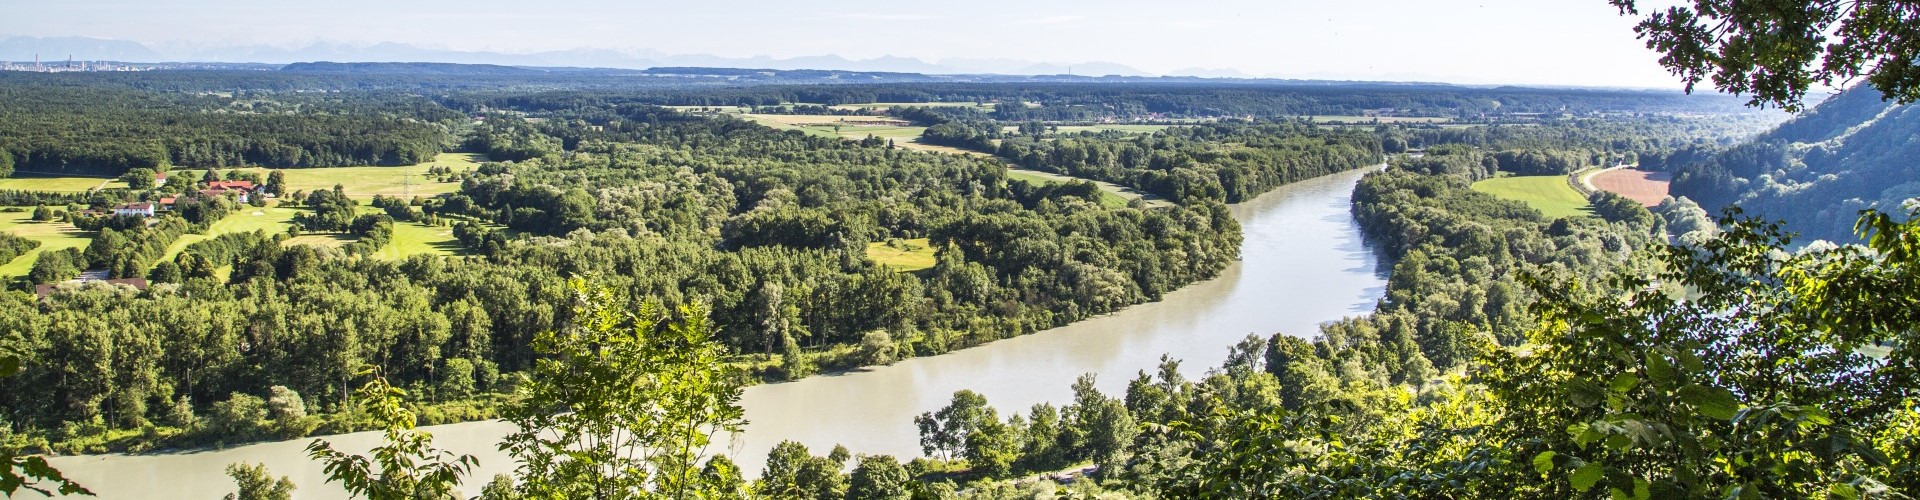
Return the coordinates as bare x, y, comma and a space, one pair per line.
243, 219
51, 235
1549, 194
413, 238
902, 255
908, 136
1642, 186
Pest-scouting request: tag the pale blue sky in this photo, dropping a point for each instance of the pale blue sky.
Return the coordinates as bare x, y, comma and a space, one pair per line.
1567, 42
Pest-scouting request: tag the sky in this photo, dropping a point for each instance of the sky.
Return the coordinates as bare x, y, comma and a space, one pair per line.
1551, 42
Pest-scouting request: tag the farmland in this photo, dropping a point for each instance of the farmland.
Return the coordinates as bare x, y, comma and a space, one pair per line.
1549, 194
882, 106
1645, 187
29, 182
365, 182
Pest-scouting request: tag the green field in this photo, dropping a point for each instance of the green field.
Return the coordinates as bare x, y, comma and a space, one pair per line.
51, 235
411, 238
365, 182
319, 240
988, 107
29, 182
1549, 194
242, 220
904, 255
1107, 197
1135, 129
859, 127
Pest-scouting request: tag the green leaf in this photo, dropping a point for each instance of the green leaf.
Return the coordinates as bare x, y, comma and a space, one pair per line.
1658, 368
1587, 475
1711, 402
1543, 462
1623, 382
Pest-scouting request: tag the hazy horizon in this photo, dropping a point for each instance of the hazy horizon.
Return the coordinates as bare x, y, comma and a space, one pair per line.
1581, 43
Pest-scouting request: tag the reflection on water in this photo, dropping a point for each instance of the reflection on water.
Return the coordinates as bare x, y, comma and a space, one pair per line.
1304, 262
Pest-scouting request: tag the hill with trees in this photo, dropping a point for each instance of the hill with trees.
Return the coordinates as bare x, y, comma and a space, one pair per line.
1853, 152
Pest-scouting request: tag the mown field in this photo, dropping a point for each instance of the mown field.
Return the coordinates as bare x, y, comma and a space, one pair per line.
902, 255
907, 136
882, 106
1109, 195
409, 238
365, 182
412, 238
1549, 194
242, 220
30, 182
51, 235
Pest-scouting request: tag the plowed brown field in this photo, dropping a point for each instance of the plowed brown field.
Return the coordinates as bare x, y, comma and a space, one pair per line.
1645, 187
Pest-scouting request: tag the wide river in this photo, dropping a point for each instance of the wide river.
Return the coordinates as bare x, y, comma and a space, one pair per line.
1303, 263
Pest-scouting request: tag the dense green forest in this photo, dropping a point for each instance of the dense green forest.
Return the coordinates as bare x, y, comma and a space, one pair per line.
101, 130
1853, 152
766, 229
610, 219
1513, 356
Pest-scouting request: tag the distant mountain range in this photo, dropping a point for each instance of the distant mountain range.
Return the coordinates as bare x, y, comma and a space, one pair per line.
52, 49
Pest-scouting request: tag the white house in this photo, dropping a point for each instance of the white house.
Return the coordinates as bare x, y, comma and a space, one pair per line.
140, 209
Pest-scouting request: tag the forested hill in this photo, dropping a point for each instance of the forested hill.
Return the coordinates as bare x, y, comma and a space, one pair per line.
1853, 152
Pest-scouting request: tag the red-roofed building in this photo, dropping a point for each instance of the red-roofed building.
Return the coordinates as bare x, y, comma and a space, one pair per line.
232, 185
242, 190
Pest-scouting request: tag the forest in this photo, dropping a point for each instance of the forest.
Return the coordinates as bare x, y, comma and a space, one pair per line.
767, 230
721, 244
1817, 172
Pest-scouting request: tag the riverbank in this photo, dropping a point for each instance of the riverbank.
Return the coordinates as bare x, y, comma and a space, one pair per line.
1304, 262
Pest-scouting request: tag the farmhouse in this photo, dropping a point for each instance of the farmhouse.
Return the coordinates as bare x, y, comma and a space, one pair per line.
231, 185
140, 209
242, 190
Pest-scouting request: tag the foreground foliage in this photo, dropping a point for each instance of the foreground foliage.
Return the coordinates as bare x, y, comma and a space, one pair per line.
624, 405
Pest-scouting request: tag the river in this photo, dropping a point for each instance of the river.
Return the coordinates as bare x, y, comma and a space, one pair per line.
1303, 263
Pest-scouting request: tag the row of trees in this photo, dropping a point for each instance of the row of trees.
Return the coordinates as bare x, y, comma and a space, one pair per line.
1229, 161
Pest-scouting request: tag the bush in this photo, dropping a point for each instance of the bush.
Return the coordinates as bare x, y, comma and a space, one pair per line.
876, 348
241, 416
456, 378
289, 413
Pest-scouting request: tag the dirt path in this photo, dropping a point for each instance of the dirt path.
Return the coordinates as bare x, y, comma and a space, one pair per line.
1586, 179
